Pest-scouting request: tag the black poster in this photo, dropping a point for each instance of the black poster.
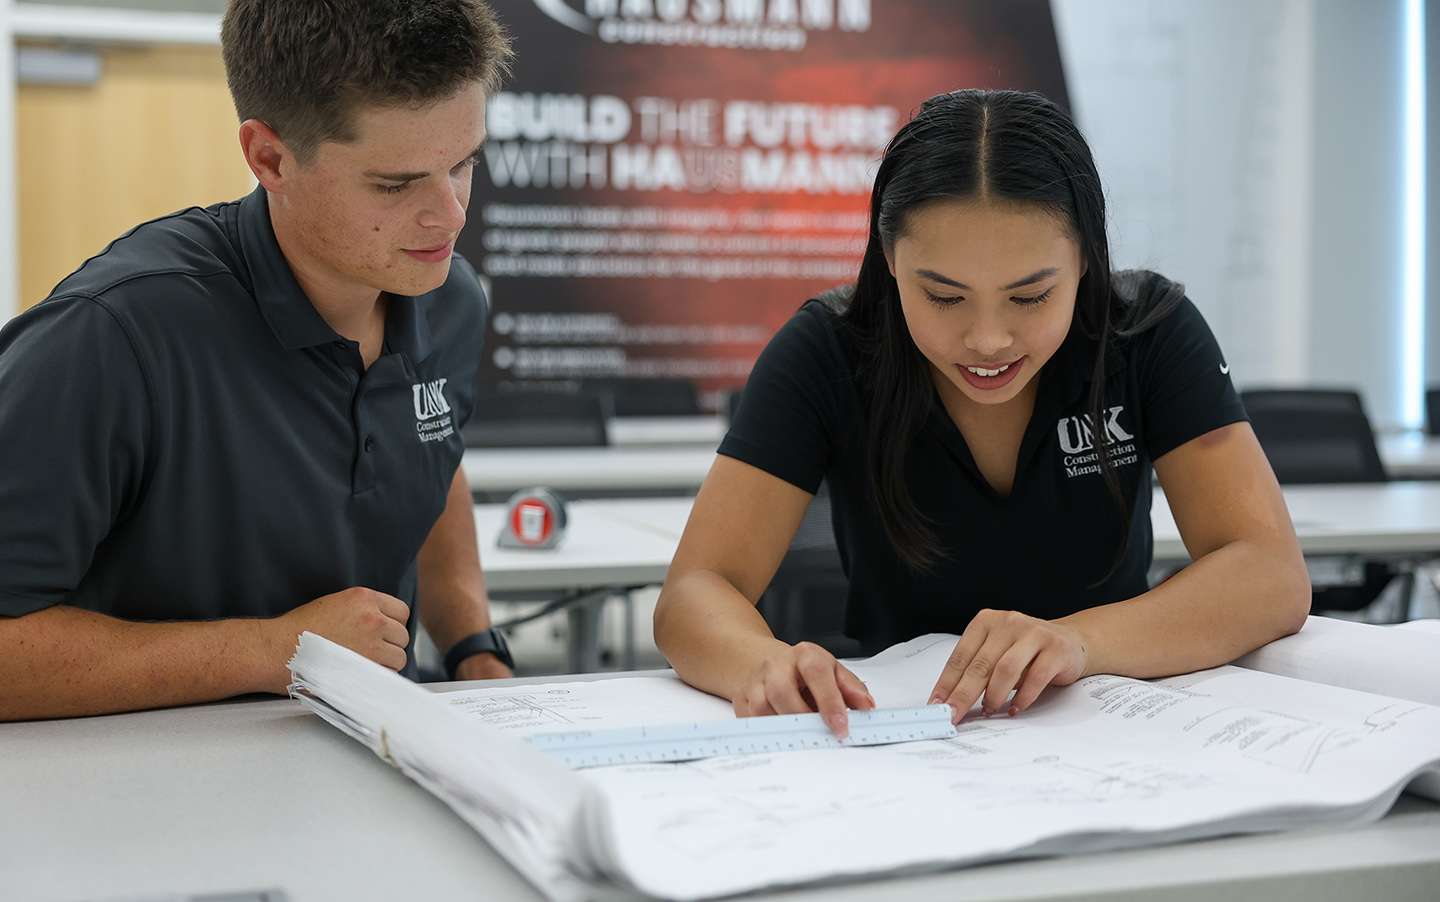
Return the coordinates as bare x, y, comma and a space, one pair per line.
666, 181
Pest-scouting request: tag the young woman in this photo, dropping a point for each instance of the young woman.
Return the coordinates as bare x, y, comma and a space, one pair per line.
986, 404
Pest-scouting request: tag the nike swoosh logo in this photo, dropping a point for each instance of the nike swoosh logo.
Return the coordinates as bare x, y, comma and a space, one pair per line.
1225, 369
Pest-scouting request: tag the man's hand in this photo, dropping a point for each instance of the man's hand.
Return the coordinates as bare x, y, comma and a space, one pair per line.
483, 666
367, 622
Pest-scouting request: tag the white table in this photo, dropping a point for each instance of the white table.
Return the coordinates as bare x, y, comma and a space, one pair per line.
1410, 455
617, 543
1398, 517
631, 540
606, 551
248, 795
658, 455
607, 543
645, 454
615, 469
671, 430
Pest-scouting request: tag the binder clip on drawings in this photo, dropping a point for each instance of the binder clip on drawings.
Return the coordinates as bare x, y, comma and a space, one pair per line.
534, 518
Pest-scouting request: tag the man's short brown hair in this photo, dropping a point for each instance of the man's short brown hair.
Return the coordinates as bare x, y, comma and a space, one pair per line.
307, 67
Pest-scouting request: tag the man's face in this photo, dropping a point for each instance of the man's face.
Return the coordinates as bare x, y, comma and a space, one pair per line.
381, 213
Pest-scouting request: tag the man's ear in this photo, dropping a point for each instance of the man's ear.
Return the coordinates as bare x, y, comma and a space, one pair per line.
265, 154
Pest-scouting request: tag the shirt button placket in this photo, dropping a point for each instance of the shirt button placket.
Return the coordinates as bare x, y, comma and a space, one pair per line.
364, 441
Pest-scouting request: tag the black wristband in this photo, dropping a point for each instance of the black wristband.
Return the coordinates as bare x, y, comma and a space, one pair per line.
492, 641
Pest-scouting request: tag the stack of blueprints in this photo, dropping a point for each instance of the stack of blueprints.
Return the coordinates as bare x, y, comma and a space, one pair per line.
1325, 727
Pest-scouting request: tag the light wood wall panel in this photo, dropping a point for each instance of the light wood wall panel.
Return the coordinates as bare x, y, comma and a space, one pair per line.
157, 133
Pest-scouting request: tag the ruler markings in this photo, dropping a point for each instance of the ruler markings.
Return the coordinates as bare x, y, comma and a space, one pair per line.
742, 736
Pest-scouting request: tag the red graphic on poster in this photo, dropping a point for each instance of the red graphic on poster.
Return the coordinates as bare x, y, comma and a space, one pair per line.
666, 181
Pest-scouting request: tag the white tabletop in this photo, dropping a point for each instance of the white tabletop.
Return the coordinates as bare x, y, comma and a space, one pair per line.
631, 540
675, 454
1410, 455
249, 795
603, 546
673, 430
616, 468
1396, 517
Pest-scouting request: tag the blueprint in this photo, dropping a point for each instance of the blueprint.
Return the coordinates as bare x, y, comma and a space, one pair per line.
1107, 762
1401, 660
561, 707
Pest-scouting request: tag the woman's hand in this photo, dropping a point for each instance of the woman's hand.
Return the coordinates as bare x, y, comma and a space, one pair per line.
1005, 651
800, 679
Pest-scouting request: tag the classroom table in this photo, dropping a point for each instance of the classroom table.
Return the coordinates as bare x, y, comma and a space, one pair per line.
257, 794
646, 455
1396, 518
667, 430
606, 543
604, 553
1410, 455
494, 473
657, 456
1399, 517
622, 543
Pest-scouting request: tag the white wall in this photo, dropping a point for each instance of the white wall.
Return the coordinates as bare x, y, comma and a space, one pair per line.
1252, 150
1358, 197
1432, 126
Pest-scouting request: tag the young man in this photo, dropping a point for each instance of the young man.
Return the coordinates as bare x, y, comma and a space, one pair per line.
239, 423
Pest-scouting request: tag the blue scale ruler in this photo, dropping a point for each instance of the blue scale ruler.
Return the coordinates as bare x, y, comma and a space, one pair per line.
742, 736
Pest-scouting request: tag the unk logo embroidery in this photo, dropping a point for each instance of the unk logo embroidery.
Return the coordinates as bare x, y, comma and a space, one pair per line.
433, 422
1076, 434
1077, 441
430, 399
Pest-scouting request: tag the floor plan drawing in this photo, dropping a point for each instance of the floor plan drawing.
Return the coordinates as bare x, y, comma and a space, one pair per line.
1104, 763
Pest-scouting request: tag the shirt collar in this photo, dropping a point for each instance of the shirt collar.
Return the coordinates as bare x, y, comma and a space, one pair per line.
1068, 374
290, 314
407, 325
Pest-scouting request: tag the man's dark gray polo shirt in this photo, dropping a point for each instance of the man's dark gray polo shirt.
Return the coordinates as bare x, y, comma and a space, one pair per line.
183, 437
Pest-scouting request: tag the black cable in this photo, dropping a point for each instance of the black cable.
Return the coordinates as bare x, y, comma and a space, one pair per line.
565, 602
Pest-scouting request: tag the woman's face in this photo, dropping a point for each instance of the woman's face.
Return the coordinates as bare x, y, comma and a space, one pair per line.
988, 291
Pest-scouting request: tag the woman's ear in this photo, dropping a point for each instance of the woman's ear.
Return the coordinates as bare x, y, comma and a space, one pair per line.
890, 260
265, 154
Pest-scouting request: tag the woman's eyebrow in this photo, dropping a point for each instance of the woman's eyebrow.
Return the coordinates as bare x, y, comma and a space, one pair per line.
1038, 275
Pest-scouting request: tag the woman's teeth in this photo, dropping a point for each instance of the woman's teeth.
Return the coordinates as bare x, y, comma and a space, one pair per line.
981, 371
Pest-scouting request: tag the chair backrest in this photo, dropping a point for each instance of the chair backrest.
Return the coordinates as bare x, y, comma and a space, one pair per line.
647, 397
1315, 435
535, 419
805, 601
1432, 411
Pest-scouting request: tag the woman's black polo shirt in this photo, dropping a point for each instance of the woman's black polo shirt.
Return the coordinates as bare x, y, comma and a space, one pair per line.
183, 437
1037, 551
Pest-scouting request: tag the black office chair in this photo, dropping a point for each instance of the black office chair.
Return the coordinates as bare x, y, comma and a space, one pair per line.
805, 600
646, 397
1322, 436
1315, 435
1432, 411
535, 419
